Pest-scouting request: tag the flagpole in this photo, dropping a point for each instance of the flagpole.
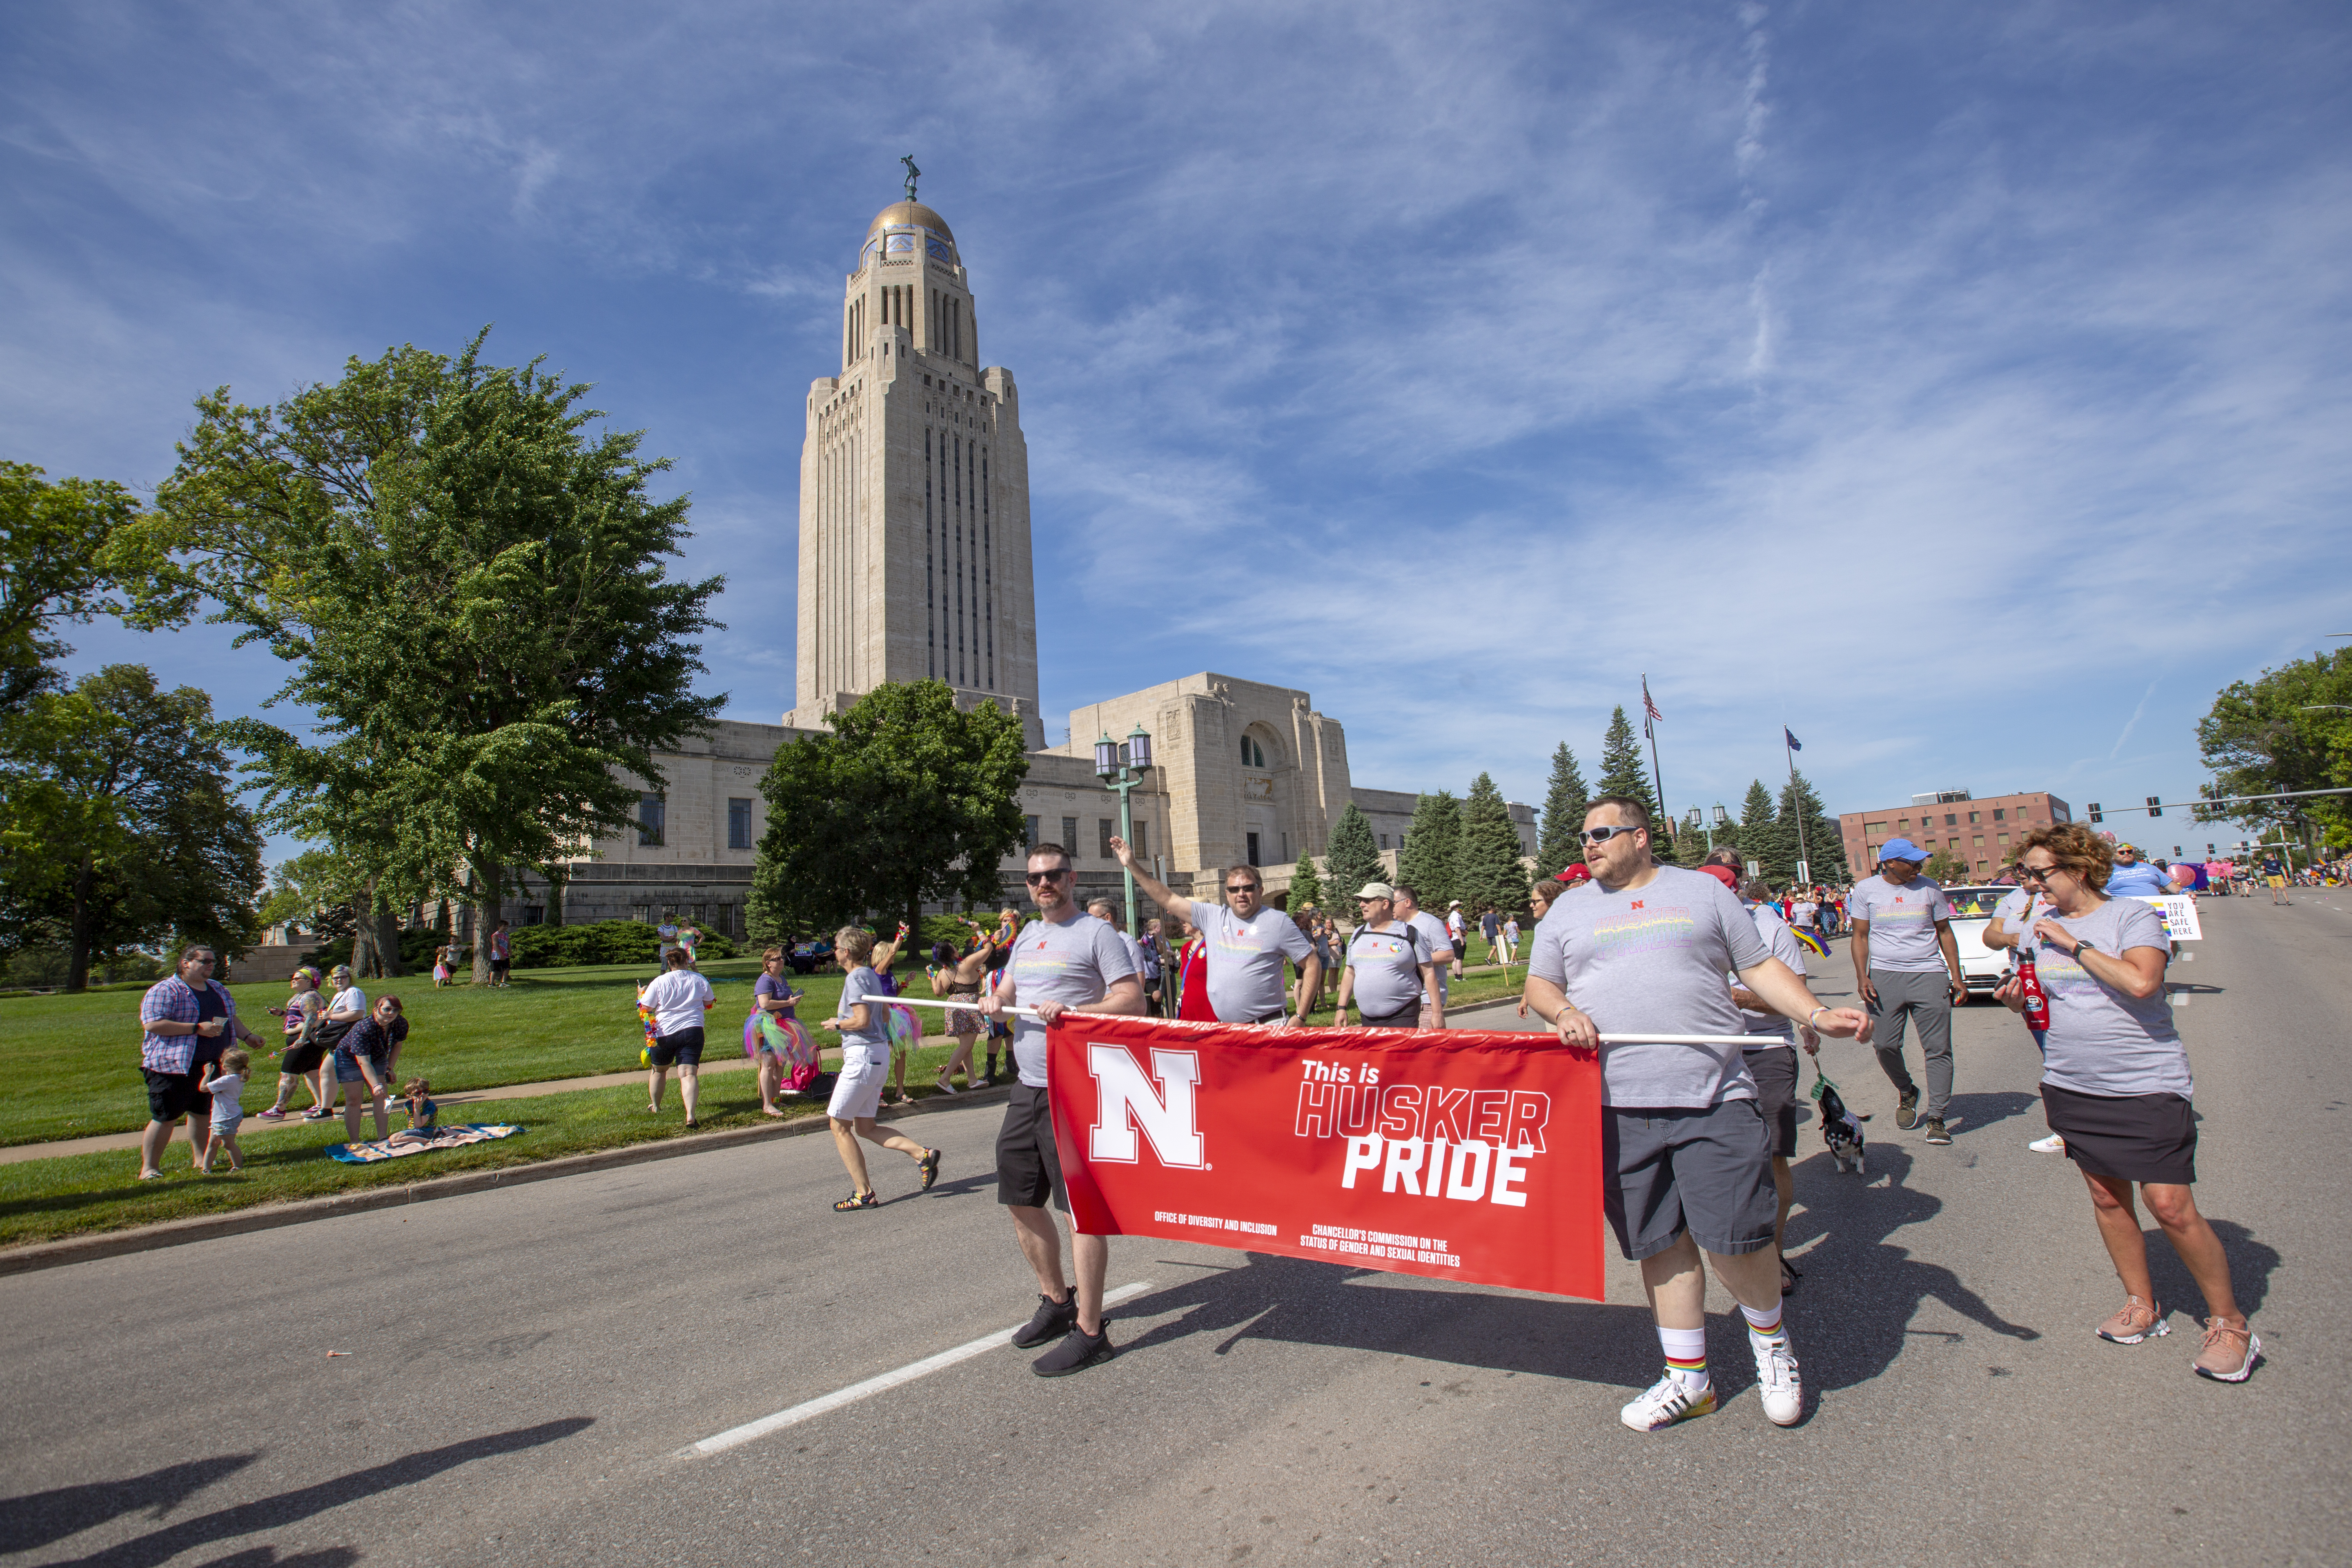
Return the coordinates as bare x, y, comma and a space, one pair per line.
1796, 795
1657, 778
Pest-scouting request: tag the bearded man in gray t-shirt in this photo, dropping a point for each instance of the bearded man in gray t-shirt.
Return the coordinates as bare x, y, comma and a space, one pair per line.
1063, 962
1244, 945
1642, 949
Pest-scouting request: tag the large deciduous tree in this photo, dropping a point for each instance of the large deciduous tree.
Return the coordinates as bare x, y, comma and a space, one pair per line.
2285, 731
1556, 844
123, 826
910, 799
69, 551
470, 587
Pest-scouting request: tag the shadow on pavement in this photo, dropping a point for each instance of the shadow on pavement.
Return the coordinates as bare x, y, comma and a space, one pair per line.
1975, 1112
160, 1545
1302, 1301
1854, 1310
2251, 1265
26, 1522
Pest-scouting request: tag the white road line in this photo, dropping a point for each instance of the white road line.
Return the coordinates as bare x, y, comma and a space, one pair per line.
736, 1435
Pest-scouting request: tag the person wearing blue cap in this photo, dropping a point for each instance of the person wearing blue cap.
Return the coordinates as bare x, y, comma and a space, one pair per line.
1907, 967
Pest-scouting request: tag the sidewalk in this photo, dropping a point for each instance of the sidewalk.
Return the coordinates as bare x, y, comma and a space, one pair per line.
255, 1126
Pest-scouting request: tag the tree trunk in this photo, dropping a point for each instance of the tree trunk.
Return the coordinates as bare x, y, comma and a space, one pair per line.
78, 938
485, 890
367, 963
387, 941
555, 877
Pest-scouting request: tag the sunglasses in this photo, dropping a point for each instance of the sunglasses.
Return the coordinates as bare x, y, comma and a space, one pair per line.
1241, 886
1035, 877
2037, 873
1603, 835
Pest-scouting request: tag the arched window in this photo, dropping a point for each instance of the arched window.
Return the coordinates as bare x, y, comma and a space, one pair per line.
1253, 754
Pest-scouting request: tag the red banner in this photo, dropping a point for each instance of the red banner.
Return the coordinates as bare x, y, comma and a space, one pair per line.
1450, 1154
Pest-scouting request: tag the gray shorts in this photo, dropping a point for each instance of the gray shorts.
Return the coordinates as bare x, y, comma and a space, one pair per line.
1707, 1172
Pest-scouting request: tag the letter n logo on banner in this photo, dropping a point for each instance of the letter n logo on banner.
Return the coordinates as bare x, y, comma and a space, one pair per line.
1125, 1099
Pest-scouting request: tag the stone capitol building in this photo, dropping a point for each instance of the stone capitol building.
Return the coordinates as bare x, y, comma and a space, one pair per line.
915, 564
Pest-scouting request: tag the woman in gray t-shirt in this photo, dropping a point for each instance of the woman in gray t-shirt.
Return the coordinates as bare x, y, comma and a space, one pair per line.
2116, 1085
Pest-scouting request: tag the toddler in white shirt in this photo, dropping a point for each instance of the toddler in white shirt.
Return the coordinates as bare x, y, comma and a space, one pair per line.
225, 1084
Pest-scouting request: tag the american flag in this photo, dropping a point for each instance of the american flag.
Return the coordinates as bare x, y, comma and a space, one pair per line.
1648, 706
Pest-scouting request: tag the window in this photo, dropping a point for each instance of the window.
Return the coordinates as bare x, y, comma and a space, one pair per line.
1384, 839
1253, 754
1070, 835
650, 815
2003, 837
1903, 822
1951, 819
534, 914
1253, 849
2000, 815
1874, 828
1142, 841
1974, 817
1103, 837
1029, 832
738, 824
1977, 840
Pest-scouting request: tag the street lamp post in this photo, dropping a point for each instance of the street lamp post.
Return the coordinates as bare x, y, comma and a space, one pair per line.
1699, 821
1121, 764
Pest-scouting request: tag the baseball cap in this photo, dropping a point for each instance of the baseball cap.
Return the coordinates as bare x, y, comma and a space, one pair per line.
1579, 872
1722, 874
1455, 905
1376, 891
1901, 850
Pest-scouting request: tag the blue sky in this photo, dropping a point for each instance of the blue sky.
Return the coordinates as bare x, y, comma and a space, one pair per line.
1964, 387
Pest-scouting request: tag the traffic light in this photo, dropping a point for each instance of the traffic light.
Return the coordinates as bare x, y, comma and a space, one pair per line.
2154, 806
2094, 813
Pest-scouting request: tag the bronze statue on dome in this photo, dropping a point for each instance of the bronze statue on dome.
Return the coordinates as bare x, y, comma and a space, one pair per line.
913, 173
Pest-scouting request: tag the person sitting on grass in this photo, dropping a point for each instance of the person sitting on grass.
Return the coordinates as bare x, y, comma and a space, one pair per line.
225, 1086
865, 1061
424, 1116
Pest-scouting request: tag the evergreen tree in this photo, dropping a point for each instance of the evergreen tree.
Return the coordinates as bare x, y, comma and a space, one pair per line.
1306, 887
1353, 858
1487, 869
1757, 835
1556, 846
1624, 771
1825, 848
1426, 862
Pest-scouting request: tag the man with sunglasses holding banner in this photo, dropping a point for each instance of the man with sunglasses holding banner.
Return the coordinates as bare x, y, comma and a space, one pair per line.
1687, 1158
1245, 944
1065, 961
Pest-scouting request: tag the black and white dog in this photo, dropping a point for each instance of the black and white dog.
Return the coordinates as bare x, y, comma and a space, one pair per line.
1841, 1129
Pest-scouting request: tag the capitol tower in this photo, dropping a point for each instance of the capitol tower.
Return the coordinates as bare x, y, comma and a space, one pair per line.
914, 547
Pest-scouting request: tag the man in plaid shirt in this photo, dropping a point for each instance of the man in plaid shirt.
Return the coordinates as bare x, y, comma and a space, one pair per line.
190, 1012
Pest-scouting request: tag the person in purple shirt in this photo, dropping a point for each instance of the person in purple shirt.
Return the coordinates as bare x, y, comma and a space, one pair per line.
188, 1018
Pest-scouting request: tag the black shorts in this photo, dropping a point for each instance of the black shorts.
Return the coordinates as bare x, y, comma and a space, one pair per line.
1405, 1018
498, 967
2125, 1137
681, 1049
172, 1095
1774, 1068
1707, 1172
300, 1059
1028, 1167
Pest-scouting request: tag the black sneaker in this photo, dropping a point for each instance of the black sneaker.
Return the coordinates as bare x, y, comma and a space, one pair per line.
1907, 1111
1052, 1318
1935, 1134
1077, 1352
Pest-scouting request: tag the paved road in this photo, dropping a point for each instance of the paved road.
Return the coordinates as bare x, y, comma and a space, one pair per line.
524, 1366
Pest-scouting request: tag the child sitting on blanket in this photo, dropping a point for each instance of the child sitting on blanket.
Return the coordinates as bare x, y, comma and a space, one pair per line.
421, 1113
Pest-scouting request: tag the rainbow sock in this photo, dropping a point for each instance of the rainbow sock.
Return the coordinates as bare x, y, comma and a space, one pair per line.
1764, 1325
1686, 1355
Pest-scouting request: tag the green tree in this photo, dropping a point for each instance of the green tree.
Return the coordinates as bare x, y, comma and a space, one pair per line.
134, 834
470, 587
1306, 887
1352, 859
1760, 830
908, 799
1556, 845
1488, 870
2285, 730
68, 553
1431, 844
1821, 844
1625, 771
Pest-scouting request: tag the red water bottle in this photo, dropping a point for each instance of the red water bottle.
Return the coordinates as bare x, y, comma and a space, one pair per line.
2029, 984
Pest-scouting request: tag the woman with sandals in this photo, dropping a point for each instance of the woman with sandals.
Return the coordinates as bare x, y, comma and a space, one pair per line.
865, 1063
2116, 1085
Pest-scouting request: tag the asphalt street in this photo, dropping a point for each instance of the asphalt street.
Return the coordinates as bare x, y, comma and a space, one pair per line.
521, 1368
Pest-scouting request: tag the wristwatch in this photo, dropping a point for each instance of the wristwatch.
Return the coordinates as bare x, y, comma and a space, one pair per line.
2081, 946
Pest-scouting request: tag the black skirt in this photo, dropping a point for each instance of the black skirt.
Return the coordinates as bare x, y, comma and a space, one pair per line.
2127, 1137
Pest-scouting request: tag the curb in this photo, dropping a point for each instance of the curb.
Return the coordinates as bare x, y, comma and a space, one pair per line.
271, 1216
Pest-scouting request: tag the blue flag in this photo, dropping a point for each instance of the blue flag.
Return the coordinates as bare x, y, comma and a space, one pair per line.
1794, 744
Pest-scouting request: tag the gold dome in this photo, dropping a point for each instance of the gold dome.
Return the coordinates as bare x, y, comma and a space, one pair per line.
902, 212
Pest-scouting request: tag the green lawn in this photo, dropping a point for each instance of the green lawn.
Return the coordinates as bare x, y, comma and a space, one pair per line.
73, 1061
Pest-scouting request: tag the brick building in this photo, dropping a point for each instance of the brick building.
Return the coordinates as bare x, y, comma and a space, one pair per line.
1977, 832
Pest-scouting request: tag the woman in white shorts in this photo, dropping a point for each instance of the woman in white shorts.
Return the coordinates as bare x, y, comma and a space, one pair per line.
865, 1063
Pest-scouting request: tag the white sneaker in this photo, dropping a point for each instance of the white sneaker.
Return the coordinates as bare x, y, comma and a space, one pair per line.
1666, 1403
2053, 1144
1776, 1381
